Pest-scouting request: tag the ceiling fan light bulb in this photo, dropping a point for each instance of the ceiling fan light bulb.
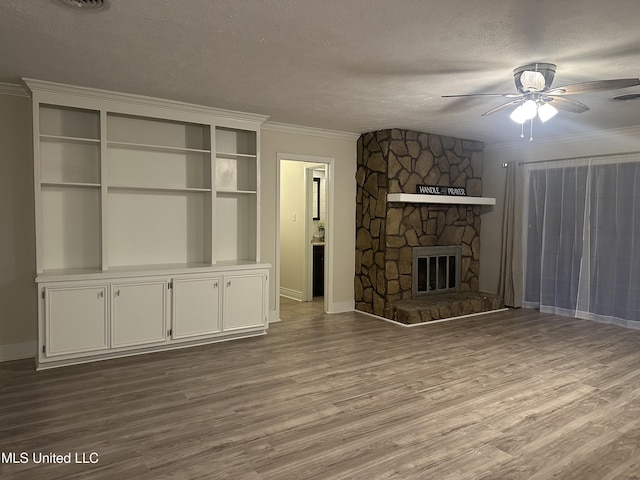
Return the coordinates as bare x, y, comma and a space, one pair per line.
532, 80
518, 115
546, 111
529, 109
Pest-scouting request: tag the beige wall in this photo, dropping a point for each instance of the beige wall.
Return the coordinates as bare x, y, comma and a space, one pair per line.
599, 143
343, 222
17, 237
292, 232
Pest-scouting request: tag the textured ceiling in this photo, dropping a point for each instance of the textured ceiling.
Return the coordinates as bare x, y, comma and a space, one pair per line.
349, 65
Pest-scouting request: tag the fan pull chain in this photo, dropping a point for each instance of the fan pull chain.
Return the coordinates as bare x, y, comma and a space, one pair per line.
522, 130
531, 134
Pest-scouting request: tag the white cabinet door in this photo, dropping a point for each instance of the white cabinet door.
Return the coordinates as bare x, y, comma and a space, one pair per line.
138, 313
196, 303
244, 296
75, 319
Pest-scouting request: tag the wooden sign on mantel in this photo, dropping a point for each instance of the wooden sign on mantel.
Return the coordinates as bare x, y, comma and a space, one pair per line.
439, 190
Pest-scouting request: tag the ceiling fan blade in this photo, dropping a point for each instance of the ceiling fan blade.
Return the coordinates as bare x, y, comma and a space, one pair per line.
596, 86
501, 107
507, 95
566, 104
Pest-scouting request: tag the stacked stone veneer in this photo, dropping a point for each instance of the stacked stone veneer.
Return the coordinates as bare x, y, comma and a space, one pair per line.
395, 161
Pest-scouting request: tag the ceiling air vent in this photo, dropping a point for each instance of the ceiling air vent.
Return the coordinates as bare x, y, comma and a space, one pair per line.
86, 4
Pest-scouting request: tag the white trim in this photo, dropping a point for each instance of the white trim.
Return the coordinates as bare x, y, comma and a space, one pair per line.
460, 317
149, 271
139, 100
13, 89
291, 294
147, 349
316, 132
307, 263
342, 307
445, 199
274, 316
596, 136
614, 158
15, 351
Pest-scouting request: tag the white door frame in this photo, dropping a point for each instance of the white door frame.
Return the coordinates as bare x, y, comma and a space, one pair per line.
328, 162
307, 291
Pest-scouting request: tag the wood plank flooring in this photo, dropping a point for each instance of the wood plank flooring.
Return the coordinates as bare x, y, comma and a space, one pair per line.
511, 395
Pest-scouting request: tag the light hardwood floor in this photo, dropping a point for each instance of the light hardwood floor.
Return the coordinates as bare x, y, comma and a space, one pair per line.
512, 395
294, 310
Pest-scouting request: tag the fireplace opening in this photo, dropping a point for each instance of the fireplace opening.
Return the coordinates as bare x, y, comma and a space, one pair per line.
436, 270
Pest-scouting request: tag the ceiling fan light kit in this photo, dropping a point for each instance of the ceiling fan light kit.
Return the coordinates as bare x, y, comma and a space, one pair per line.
535, 76
546, 111
535, 96
530, 108
526, 111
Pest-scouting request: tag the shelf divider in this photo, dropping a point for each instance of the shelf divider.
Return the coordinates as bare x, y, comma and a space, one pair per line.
236, 155
62, 138
157, 188
144, 146
69, 184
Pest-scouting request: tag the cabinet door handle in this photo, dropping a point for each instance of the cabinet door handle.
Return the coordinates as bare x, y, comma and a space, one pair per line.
117, 294
229, 283
215, 285
100, 294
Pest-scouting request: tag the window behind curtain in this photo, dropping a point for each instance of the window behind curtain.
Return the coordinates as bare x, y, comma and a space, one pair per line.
582, 255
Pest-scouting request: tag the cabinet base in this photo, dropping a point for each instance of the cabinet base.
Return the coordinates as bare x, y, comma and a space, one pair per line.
47, 363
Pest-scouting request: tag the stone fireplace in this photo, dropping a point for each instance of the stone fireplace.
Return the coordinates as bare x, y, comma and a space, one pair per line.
396, 161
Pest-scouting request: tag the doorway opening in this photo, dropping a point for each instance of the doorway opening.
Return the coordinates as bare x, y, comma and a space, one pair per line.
303, 255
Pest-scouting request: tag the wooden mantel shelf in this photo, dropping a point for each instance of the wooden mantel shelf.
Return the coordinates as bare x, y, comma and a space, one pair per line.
442, 199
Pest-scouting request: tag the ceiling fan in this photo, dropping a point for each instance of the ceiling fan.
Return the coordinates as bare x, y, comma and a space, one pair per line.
536, 97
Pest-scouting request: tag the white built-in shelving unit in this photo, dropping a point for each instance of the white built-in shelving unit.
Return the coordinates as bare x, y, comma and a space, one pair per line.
147, 224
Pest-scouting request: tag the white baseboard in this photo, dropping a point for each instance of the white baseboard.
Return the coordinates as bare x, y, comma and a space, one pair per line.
633, 324
274, 316
342, 307
15, 351
292, 294
431, 322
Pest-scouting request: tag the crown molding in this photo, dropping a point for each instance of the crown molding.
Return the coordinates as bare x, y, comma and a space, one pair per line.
132, 99
316, 132
13, 89
598, 136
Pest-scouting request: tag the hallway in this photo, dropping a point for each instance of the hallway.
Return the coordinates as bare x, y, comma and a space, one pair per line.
294, 310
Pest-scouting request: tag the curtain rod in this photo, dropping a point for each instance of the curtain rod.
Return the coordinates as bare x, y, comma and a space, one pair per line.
580, 158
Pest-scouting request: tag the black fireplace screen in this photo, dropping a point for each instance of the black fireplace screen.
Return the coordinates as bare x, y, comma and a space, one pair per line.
436, 270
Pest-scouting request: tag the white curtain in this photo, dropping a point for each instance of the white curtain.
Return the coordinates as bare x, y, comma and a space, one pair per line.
582, 238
